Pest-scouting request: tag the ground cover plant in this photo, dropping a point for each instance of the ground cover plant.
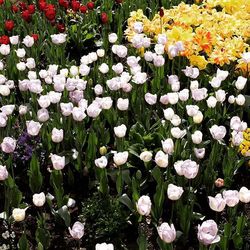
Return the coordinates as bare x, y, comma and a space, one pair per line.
124, 125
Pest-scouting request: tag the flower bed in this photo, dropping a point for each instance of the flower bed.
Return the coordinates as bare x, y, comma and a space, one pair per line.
123, 132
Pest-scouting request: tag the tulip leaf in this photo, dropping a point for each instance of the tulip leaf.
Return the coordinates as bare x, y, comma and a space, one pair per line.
35, 175
23, 242
142, 241
124, 199
43, 238
64, 214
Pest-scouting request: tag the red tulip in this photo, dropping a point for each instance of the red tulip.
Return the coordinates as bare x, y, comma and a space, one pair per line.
26, 16
1, 2
22, 5
35, 37
90, 5
4, 39
64, 3
60, 27
9, 25
50, 14
42, 5
31, 8
75, 5
104, 17
14, 8
83, 9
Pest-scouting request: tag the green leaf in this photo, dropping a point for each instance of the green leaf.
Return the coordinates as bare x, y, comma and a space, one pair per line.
124, 199
23, 242
43, 238
40, 246
35, 175
142, 241
65, 215
56, 180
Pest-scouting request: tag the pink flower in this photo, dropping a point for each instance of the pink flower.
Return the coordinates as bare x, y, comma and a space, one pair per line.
77, 231
8, 145
207, 232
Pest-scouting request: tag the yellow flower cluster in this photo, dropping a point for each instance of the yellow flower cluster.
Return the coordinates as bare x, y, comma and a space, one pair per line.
245, 145
208, 35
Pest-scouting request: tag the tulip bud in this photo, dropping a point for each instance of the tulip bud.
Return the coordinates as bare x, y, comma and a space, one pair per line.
101, 162
3, 173
167, 233
120, 158
219, 183
146, 156
8, 145
244, 195
57, 135
103, 150
174, 192
104, 246
161, 159
58, 162
39, 199
77, 230
231, 197
120, 131
18, 214
143, 205
197, 137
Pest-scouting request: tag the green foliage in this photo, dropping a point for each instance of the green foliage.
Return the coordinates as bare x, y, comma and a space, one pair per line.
105, 218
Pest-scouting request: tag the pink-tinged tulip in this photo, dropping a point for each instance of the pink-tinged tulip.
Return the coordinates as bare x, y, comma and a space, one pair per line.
8, 145
174, 192
57, 135
58, 162
207, 232
218, 132
167, 233
33, 128
217, 203
143, 205
231, 197
77, 231
3, 173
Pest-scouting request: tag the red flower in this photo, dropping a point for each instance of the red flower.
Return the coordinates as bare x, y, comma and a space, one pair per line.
35, 37
1, 2
83, 8
90, 5
22, 5
75, 5
50, 6
118, 1
4, 39
14, 8
64, 3
9, 25
60, 27
50, 14
31, 8
26, 16
104, 17
42, 5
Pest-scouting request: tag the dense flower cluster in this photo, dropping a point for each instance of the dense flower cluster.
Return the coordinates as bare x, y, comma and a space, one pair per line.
104, 143
245, 144
207, 35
